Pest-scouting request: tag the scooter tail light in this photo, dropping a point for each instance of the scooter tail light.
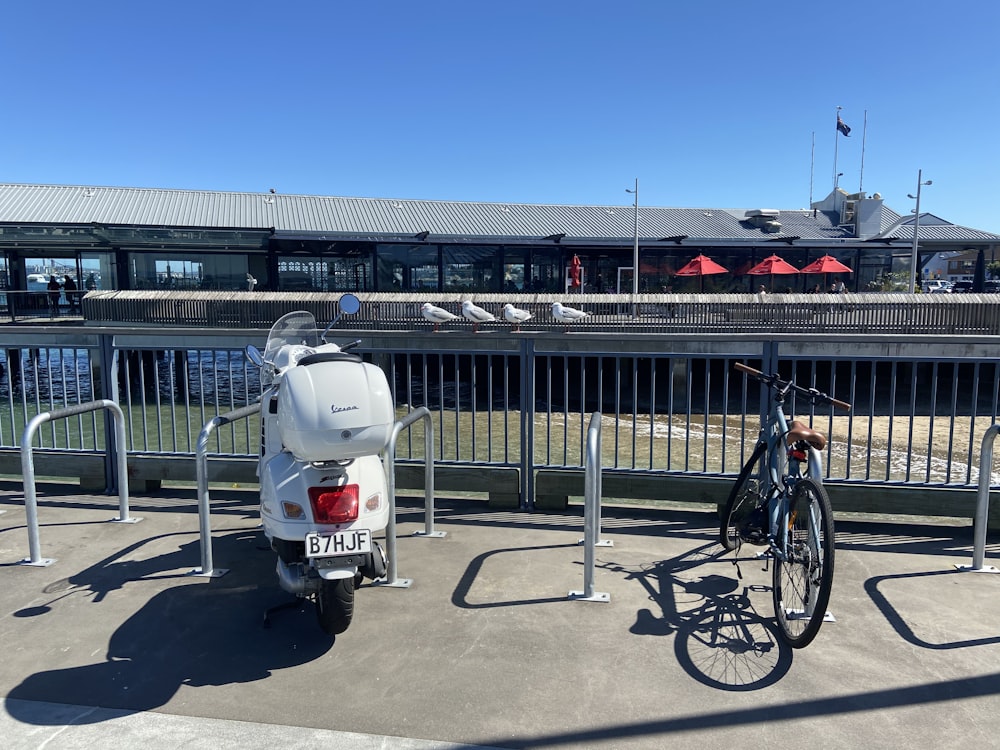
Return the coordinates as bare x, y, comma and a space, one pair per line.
334, 504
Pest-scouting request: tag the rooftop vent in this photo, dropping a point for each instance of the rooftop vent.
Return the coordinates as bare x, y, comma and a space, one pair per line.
764, 219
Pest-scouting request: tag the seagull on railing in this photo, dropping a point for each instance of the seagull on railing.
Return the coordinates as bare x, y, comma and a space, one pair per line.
515, 316
436, 315
567, 314
476, 314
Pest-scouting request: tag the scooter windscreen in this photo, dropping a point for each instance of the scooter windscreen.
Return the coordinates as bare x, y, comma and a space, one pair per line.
296, 328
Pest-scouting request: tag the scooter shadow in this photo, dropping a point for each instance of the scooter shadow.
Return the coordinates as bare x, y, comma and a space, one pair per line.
198, 633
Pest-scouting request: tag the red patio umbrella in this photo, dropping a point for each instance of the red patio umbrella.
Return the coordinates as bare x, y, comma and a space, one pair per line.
772, 265
826, 265
574, 272
701, 265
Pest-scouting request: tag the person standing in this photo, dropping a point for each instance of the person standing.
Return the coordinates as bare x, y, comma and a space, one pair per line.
54, 291
72, 298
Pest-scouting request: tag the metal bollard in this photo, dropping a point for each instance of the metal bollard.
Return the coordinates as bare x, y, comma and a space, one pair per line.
28, 470
392, 578
207, 569
983, 506
591, 513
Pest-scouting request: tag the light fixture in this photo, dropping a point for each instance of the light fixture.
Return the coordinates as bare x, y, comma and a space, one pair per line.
635, 251
422, 236
555, 237
916, 231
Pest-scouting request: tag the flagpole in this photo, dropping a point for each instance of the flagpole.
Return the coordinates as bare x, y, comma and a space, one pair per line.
836, 146
864, 138
812, 168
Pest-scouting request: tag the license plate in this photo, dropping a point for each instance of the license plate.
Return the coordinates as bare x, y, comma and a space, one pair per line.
352, 542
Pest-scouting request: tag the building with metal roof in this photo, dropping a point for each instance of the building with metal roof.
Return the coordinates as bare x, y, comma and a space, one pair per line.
135, 238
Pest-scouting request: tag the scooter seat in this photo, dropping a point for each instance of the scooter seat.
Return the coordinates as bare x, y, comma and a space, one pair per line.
312, 359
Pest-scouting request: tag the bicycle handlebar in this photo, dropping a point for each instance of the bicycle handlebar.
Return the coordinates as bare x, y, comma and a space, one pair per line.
773, 381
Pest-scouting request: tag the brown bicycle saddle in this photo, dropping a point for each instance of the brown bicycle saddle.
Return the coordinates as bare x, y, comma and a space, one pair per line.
797, 431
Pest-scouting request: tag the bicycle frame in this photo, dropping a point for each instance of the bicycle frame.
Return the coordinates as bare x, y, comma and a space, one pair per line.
781, 473
779, 501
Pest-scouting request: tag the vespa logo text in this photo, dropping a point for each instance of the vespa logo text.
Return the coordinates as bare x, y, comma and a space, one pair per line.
334, 409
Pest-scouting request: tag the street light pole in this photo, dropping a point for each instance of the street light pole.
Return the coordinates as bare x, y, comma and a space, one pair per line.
916, 231
635, 252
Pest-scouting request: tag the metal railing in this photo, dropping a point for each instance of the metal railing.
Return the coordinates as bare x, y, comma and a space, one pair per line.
869, 313
670, 403
208, 569
423, 414
28, 470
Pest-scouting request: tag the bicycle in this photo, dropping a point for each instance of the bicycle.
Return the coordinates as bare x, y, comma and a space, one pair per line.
779, 502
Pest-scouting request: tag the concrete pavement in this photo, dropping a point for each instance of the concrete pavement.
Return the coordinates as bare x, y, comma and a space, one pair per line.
485, 648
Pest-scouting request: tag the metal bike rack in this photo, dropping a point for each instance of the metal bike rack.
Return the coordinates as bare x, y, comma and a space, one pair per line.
201, 469
591, 513
983, 506
391, 577
28, 470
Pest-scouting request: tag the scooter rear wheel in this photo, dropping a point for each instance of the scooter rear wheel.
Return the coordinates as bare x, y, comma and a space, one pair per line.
335, 605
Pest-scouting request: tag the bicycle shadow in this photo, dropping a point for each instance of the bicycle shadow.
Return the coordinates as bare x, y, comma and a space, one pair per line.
720, 639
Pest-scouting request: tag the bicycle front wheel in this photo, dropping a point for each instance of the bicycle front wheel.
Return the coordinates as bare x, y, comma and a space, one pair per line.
803, 580
745, 498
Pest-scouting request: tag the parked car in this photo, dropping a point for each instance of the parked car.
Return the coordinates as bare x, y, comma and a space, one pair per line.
936, 286
961, 287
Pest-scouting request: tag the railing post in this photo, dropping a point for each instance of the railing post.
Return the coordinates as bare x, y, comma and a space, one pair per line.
591, 513
108, 362
527, 431
207, 569
983, 505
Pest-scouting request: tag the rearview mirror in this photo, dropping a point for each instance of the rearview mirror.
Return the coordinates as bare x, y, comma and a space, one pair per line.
349, 304
254, 355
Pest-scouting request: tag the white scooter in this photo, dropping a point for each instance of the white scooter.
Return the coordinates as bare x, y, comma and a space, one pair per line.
325, 418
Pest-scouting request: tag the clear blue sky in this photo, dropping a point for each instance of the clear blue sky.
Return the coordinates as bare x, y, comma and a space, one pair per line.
708, 105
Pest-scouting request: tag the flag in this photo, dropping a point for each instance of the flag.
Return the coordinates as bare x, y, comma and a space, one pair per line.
842, 127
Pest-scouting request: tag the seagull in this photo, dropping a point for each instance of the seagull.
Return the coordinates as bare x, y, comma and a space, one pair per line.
515, 316
476, 314
436, 315
567, 314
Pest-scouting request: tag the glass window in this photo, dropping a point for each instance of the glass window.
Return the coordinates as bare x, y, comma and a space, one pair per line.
547, 270
188, 270
515, 266
301, 274
98, 271
408, 268
471, 268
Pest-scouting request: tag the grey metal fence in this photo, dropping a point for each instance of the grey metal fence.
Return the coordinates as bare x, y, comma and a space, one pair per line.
916, 314
671, 404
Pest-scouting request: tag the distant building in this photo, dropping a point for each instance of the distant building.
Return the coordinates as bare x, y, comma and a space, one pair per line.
132, 238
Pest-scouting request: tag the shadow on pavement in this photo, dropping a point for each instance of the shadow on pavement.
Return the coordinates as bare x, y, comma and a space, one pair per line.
206, 632
720, 639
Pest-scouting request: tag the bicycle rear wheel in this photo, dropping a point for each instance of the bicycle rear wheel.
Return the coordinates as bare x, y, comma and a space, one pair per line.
745, 498
803, 581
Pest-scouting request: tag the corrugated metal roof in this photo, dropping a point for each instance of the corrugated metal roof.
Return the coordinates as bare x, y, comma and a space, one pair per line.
68, 204
935, 228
